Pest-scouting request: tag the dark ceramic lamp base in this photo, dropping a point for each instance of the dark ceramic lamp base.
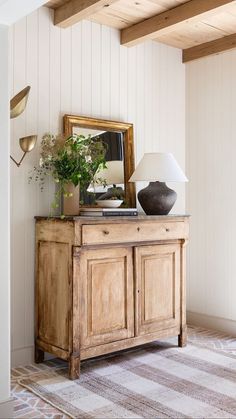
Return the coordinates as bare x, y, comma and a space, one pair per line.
157, 198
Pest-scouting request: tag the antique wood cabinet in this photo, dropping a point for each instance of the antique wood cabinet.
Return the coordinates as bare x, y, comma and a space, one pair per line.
106, 284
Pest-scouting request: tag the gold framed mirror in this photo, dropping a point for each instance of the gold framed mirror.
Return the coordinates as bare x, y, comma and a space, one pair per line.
120, 147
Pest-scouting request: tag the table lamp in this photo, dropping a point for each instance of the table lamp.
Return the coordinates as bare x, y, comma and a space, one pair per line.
158, 168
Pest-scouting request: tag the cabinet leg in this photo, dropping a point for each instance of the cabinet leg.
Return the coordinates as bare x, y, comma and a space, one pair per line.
182, 338
74, 367
38, 355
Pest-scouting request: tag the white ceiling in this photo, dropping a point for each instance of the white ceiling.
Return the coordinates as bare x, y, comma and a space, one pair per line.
13, 10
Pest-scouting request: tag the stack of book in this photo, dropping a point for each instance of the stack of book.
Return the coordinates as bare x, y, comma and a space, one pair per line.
108, 212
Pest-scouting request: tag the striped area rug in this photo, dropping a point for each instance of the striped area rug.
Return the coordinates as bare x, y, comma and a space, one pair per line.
157, 381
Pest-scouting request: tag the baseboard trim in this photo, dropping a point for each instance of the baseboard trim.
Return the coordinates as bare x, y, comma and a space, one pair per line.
7, 409
212, 322
24, 356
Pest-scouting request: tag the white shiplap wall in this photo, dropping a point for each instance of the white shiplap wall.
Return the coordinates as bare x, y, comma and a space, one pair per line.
211, 151
82, 70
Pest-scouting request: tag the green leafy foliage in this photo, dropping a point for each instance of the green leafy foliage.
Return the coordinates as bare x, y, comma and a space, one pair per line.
75, 160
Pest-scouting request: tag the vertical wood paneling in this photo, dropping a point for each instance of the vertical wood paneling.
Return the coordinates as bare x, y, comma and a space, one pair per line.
66, 73
105, 71
86, 68
148, 93
83, 70
55, 124
154, 138
96, 70
115, 74
163, 105
140, 97
44, 99
18, 202
211, 148
31, 193
123, 82
76, 70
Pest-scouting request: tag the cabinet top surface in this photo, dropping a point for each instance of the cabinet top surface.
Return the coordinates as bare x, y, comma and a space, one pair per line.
115, 219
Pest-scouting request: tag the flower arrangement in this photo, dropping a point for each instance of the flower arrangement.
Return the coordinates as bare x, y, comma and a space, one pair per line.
74, 160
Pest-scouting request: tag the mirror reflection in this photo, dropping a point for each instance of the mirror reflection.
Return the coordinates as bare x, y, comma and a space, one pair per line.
109, 182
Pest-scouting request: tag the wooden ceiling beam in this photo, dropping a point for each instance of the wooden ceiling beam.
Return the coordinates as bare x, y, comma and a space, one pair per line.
209, 48
75, 10
168, 21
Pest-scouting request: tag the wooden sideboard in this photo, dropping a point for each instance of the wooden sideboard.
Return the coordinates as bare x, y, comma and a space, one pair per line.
106, 284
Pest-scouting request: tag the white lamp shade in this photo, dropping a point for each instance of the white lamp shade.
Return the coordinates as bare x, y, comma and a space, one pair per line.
113, 174
160, 167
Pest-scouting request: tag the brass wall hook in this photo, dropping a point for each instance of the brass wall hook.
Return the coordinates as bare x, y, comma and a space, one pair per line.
27, 144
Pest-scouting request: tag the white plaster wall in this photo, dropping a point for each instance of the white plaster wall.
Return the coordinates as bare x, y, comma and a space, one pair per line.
13, 10
82, 70
4, 221
211, 167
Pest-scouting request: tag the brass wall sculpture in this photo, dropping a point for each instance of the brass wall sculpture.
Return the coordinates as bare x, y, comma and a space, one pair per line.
18, 102
17, 106
27, 144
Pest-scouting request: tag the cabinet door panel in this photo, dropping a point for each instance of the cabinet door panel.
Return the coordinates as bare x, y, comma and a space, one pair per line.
157, 287
53, 293
107, 309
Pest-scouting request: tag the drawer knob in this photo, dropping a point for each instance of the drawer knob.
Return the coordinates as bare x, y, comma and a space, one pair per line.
138, 228
105, 232
167, 229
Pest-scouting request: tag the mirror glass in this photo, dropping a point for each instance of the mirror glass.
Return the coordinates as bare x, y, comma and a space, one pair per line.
113, 175
118, 140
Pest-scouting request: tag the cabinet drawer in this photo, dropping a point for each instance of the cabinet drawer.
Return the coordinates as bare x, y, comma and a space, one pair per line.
133, 232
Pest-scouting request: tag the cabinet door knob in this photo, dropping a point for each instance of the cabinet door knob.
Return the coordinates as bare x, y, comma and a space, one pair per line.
105, 232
